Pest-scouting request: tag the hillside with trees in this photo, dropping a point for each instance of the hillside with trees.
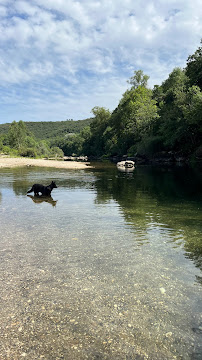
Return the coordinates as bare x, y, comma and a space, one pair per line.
43, 130
19, 141
160, 123
38, 139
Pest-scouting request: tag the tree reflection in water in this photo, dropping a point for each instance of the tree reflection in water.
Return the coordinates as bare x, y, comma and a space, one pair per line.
165, 197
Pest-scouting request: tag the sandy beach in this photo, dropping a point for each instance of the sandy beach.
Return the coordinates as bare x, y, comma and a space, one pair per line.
17, 162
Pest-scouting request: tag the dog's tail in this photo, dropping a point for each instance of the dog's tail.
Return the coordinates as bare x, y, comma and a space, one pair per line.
29, 191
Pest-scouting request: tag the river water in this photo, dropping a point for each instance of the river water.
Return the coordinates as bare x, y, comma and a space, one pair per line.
108, 268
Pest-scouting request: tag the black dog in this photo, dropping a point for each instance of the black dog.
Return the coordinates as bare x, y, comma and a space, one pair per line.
44, 190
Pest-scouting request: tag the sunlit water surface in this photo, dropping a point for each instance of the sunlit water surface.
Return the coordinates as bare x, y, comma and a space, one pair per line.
109, 268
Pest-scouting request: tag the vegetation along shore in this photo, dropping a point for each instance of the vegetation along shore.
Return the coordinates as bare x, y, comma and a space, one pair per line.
159, 124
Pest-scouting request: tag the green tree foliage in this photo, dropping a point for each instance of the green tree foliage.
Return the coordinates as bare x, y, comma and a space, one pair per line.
44, 130
134, 117
48, 130
98, 126
112, 134
56, 152
147, 121
138, 79
1, 143
17, 134
194, 68
111, 141
192, 111
70, 144
171, 97
20, 142
180, 113
86, 141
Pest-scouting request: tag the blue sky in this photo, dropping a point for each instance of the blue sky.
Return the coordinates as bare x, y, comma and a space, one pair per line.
60, 58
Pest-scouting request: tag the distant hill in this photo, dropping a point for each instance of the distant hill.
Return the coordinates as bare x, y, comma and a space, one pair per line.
50, 129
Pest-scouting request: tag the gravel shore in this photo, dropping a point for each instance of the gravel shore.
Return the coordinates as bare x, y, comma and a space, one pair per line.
15, 162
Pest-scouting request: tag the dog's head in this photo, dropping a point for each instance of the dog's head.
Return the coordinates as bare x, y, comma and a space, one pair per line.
53, 184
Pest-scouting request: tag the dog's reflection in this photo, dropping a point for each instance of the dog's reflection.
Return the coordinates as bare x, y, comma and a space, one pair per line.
38, 199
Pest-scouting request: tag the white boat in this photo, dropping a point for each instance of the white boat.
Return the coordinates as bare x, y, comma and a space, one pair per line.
127, 164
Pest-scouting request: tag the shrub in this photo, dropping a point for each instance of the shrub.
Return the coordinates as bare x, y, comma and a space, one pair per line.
28, 152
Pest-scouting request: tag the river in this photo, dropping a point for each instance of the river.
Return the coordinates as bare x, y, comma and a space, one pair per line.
109, 267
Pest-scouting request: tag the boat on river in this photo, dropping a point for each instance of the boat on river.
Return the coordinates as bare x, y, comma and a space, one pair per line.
127, 165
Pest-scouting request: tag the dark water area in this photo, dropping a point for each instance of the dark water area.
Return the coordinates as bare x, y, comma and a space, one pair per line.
109, 267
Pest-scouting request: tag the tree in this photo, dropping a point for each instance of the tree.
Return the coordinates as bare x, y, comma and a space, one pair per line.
194, 67
101, 118
138, 79
134, 117
172, 97
86, 141
97, 128
1, 143
56, 152
17, 134
192, 111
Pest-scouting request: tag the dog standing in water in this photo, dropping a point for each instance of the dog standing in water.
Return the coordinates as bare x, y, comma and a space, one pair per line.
44, 190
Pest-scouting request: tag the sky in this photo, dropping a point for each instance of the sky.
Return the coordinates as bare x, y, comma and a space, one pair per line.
61, 58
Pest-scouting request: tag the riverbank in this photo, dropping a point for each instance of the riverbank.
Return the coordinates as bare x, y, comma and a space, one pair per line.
8, 162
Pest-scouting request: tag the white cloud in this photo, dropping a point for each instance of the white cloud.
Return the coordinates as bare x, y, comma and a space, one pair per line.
61, 53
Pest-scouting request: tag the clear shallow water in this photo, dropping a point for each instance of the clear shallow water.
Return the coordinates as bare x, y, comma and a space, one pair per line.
110, 268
